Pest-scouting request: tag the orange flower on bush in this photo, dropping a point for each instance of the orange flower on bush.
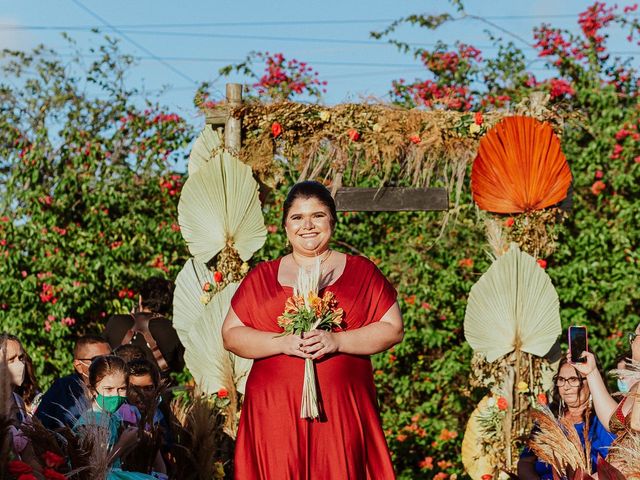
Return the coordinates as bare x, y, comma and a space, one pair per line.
542, 263
217, 276
502, 403
466, 263
542, 398
426, 463
478, 118
354, 135
223, 393
276, 129
448, 434
509, 222
597, 187
415, 139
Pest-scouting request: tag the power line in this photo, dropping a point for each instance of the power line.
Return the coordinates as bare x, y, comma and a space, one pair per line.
274, 22
133, 42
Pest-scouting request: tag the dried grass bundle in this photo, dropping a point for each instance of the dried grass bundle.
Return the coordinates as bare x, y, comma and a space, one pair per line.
625, 455
558, 444
200, 438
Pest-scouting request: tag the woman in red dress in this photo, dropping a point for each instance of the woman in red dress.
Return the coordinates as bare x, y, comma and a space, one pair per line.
347, 442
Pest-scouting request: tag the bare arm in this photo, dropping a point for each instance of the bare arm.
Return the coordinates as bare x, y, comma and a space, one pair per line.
603, 402
373, 338
248, 342
526, 468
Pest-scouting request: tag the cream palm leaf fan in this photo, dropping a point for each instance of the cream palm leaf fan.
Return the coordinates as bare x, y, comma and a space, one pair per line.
477, 463
209, 143
513, 306
187, 305
210, 364
219, 207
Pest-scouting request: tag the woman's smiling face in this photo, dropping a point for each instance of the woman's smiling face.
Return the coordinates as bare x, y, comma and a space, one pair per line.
309, 226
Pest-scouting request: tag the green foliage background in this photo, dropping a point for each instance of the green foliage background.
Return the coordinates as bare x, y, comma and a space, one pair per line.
102, 170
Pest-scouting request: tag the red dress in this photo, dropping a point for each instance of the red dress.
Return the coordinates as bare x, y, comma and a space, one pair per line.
273, 442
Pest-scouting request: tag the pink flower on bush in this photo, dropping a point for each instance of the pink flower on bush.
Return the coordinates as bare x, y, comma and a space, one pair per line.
560, 87
68, 321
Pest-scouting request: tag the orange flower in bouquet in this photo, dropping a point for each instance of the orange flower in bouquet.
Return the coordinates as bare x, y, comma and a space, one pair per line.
304, 311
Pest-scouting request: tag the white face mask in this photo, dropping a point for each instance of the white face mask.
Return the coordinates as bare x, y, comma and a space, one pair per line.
16, 369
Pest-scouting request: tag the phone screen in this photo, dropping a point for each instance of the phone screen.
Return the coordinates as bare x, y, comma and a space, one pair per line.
577, 343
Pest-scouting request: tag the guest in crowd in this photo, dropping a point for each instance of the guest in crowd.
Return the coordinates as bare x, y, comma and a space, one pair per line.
571, 399
107, 389
14, 362
130, 352
65, 400
149, 328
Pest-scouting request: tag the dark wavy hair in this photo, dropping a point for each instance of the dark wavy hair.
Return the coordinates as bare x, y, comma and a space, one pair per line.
157, 294
29, 388
310, 189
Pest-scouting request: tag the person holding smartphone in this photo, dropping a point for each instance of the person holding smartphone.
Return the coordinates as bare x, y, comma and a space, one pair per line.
618, 416
571, 400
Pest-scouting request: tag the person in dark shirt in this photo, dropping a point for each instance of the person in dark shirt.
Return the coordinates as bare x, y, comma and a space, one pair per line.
155, 300
65, 400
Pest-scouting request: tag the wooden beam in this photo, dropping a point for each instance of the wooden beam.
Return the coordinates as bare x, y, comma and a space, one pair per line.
233, 128
391, 199
217, 117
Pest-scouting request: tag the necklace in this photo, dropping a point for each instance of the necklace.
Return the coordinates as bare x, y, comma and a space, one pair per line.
321, 261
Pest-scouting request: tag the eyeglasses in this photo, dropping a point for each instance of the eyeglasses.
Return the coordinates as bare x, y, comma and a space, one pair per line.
572, 381
631, 336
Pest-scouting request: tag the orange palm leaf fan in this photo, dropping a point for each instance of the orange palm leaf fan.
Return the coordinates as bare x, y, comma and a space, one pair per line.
519, 168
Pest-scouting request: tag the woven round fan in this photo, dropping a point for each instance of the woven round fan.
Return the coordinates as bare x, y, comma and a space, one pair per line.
209, 143
520, 167
210, 364
187, 306
513, 306
475, 462
219, 206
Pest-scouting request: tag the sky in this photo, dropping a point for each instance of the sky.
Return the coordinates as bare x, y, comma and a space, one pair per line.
180, 44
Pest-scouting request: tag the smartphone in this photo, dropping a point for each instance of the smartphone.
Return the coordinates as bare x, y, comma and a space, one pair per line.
577, 343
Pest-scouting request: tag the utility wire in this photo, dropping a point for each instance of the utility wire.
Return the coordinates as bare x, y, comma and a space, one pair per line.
133, 42
274, 22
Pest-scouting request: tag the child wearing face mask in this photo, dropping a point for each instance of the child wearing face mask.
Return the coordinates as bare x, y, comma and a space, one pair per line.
108, 389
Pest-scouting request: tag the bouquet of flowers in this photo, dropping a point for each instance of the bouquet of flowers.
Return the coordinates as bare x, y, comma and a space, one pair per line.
306, 311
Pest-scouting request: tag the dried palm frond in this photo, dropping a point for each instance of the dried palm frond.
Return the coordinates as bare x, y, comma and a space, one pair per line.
557, 443
520, 168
